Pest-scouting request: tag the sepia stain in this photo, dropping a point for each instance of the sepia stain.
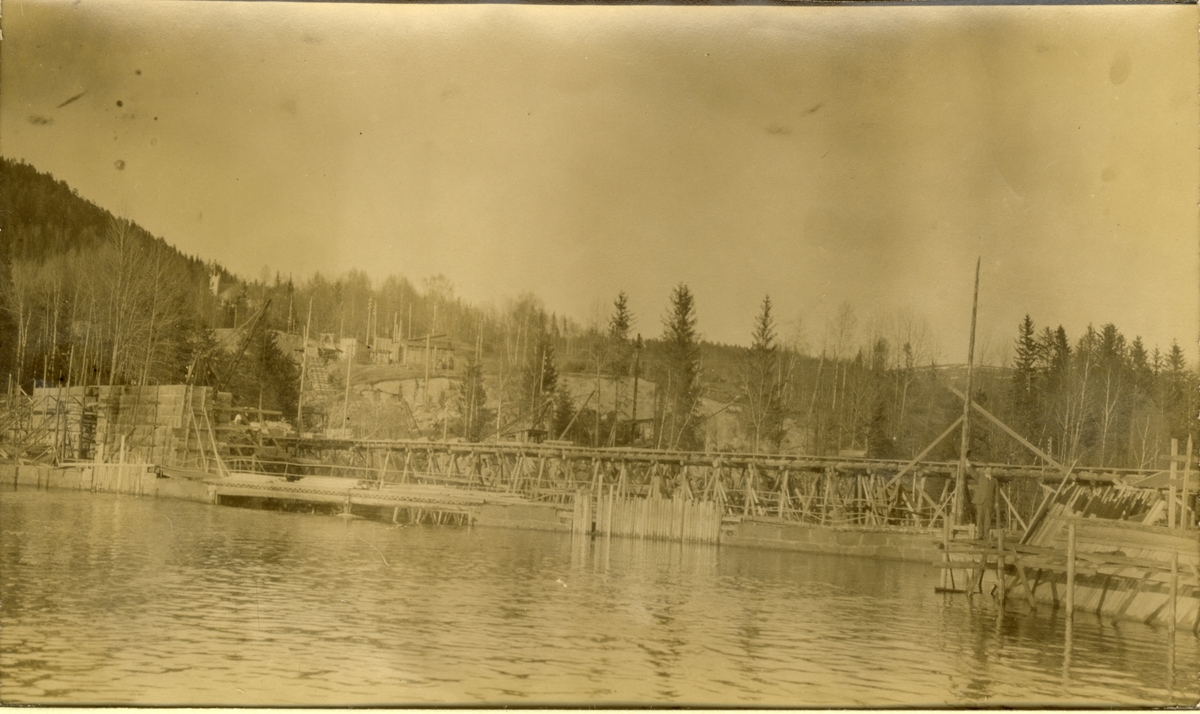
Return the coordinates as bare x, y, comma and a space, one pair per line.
120, 103
154, 141
289, 106
1043, 49
37, 120
119, 164
449, 92
1110, 172
815, 107
1121, 67
137, 72
778, 130
74, 98
310, 39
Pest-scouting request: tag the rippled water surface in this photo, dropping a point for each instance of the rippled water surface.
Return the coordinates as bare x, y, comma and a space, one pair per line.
114, 599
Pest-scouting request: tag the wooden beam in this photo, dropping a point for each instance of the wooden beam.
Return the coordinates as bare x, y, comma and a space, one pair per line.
1011, 509
960, 479
924, 452
1008, 430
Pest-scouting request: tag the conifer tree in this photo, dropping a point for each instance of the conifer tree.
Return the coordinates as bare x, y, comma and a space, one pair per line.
621, 320
762, 388
681, 382
1025, 379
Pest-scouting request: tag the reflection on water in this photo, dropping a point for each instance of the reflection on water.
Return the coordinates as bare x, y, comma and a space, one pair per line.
113, 599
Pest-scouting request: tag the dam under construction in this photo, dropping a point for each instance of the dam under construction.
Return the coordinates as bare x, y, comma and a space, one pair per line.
125, 478
1043, 543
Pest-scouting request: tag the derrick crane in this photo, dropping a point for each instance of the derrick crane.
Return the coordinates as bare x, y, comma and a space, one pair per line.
241, 349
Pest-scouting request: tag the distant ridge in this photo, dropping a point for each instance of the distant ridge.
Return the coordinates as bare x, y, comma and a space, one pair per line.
41, 216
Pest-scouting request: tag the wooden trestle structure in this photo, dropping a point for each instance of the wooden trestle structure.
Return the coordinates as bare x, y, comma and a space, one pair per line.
832, 491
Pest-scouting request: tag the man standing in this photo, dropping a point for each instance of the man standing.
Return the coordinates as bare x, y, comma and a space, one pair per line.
985, 492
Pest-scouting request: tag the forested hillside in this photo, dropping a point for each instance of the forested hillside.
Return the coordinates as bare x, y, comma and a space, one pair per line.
91, 299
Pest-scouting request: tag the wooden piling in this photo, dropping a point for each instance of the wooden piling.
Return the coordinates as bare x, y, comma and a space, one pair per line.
1001, 563
612, 493
1070, 570
945, 552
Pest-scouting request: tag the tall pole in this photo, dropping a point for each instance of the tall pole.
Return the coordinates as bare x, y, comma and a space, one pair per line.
637, 355
596, 438
346, 406
428, 342
303, 370
960, 481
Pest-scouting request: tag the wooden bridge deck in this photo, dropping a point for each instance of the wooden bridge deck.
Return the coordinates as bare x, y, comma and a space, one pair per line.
318, 489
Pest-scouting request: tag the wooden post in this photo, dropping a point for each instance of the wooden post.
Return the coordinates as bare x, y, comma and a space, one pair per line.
1171, 610
945, 550
1070, 570
387, 456
1068, 642
1000, 563
1171, 486
612, 497
633, 412
303, 371
1188, 521
346, 406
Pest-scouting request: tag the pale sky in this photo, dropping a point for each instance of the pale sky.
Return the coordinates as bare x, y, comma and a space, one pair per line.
819, 154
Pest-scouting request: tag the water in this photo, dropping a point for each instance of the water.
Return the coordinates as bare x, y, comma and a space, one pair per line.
115, 599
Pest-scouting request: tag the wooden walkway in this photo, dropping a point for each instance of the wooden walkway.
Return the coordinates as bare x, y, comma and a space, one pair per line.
1110, 568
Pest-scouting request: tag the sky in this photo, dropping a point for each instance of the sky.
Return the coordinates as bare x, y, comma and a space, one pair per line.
821, 155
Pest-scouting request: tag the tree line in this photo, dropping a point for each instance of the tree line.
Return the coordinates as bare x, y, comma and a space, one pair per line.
1105, 400
91, 299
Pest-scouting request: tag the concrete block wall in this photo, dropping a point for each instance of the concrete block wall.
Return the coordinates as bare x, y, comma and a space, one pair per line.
541, 517
73, 478
889, 544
